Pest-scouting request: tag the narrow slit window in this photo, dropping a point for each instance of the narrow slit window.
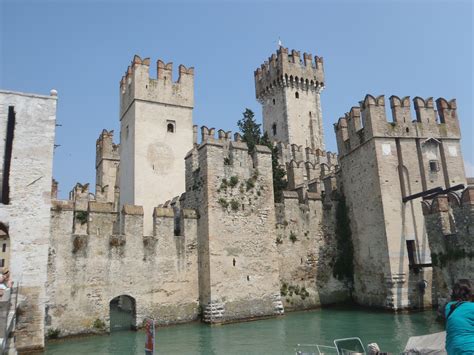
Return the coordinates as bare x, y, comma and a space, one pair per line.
274, 129
411, 252
297, 95
8, 155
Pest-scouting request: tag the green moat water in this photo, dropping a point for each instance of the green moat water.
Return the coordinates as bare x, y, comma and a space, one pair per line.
271, 336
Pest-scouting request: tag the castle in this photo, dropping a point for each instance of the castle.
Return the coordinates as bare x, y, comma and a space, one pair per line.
183, 224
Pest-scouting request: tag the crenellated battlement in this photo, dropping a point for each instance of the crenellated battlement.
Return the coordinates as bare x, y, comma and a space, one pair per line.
369, 120
223, 166
306, 166
89, 217
137, 84
288, 152
289, 69
208, 135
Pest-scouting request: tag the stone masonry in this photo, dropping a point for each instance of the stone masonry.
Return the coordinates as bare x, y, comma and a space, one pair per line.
182, 228
25, 209
381, 163
289, 88
450, 221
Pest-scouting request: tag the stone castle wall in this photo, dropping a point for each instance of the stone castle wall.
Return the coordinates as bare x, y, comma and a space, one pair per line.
96, 255
223, 248
233, 194
307, 250
449, 222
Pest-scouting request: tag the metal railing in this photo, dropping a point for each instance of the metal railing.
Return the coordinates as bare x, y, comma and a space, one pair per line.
314, 349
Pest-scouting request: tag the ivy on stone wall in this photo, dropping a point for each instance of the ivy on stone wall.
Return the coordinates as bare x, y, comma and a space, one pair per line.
344, 264
252, 135
442, 259
82, 217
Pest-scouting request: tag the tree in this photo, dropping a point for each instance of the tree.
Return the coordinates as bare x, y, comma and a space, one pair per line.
279, 182
250, 130
252, 135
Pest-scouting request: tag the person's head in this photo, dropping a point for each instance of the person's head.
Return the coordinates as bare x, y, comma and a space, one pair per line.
462, 291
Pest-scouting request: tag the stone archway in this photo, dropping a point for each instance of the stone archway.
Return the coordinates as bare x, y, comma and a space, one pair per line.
123, 314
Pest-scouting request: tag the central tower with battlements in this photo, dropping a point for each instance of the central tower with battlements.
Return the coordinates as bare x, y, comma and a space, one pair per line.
289, 88
156, 132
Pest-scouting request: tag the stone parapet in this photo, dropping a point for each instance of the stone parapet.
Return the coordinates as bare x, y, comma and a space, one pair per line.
289, 69
136, 84
369, 120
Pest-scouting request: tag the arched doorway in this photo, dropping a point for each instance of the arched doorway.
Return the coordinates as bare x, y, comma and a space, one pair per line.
123, 315
4, 246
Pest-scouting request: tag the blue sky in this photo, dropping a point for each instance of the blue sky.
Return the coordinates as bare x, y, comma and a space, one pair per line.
415, 48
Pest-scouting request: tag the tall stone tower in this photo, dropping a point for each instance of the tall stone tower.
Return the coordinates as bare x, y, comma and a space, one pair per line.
382, 163
289, 90
156, 132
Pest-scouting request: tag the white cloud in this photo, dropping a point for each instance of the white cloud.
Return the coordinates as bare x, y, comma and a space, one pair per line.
469, 168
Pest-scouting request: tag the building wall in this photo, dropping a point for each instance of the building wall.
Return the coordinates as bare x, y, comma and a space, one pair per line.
95, 260
306, 251
157, 155
449, 220
381, 163
236, 240
27, 215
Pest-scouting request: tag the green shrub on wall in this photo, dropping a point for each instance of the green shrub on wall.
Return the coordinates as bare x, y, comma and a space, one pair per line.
344, 264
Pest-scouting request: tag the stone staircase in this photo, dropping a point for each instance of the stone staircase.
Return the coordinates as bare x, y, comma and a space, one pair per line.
277, 304
213, 312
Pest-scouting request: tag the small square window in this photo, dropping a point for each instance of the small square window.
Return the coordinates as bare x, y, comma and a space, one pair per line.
434, 166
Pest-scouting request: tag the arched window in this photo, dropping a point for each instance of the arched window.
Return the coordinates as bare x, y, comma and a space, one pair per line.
170, 126
274, 129
297, 95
